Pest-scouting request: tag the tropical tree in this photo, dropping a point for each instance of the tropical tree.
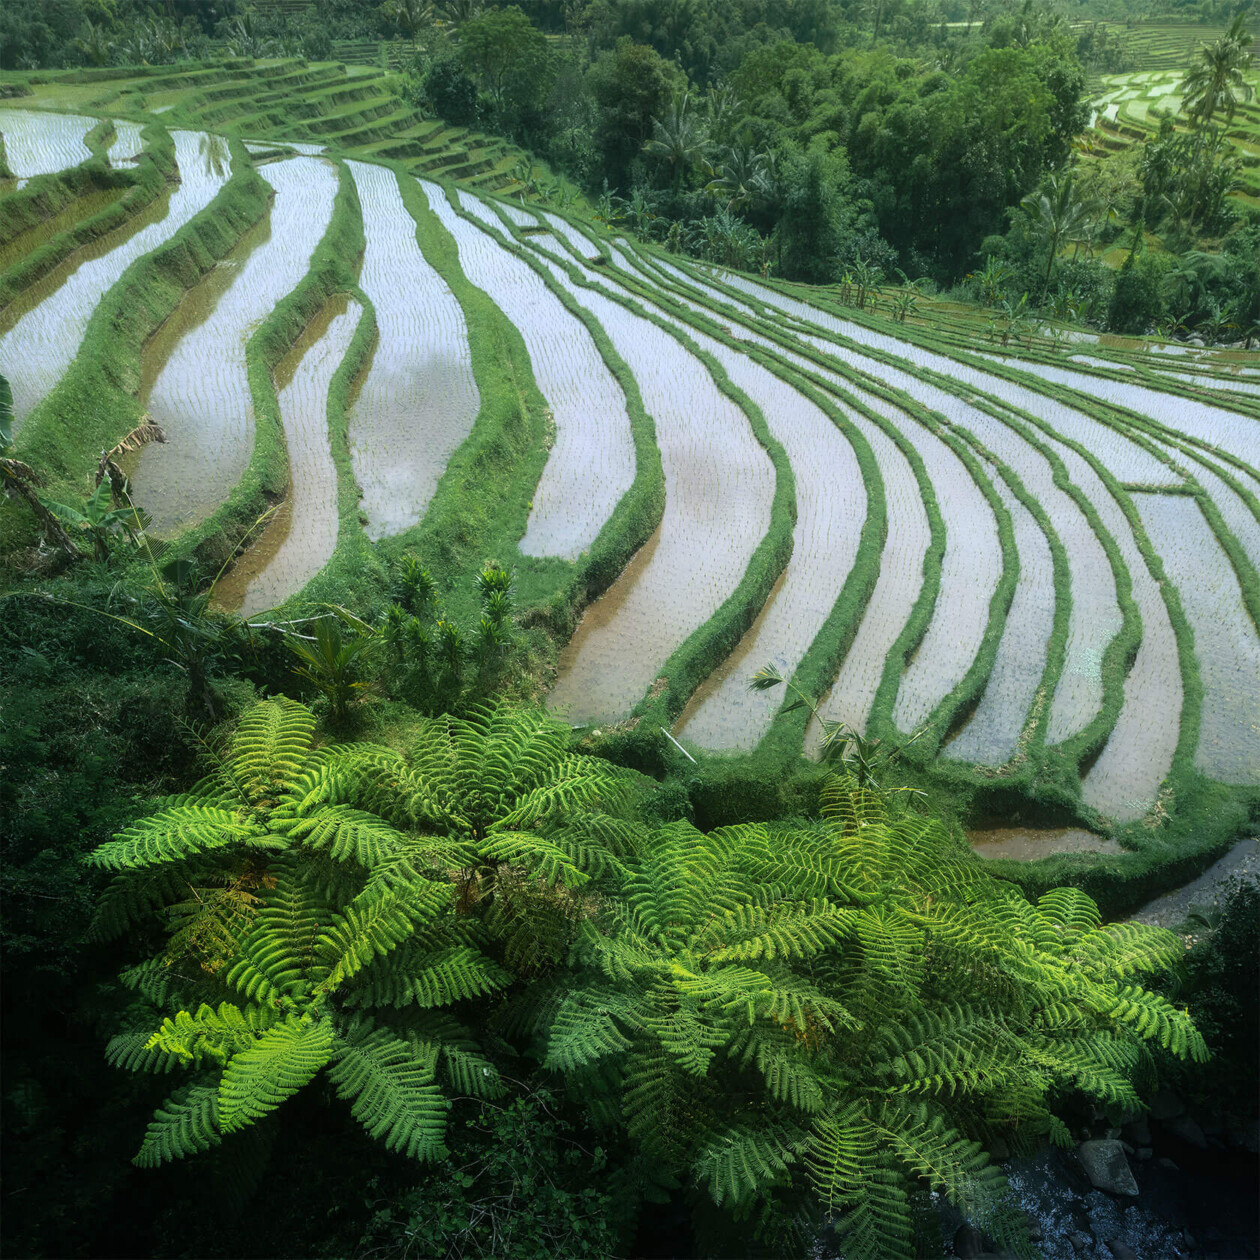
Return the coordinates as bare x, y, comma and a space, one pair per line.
1217, 81
508, 54
305, 934
742, 174
412, 17
1058, 216
680, 138
991, 280
96, 520
838, 1020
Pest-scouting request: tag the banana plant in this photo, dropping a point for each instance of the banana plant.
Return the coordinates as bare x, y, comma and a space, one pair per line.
98, 521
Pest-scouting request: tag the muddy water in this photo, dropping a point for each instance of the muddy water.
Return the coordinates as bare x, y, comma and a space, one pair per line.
127, 145
195, 380
1126, 460
418, 400
40, 333
1028, 844
901, 565
302, 537
38, 144
1232, 432
719, 485
831, 508
592, 461
40, 234
991, 734
1225, 641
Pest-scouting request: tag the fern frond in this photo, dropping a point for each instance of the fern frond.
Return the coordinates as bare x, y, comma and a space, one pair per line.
375, 923
747, 1160
345, 833
131, 1050
186, 1123
428, 978
174, 834
589, 1026
1154, 1017
1121, 950
258, 1079
133, 896
210, 1033
390, 1086
270, 747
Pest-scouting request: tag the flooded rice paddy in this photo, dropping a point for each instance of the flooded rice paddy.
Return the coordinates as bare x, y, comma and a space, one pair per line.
302, 537
196, 382
592, 460
418, 401
1225, 640
41, 332
36, 143
934, 426
719, 485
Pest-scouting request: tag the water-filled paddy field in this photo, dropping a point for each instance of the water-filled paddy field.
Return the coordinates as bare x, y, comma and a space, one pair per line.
1044, 567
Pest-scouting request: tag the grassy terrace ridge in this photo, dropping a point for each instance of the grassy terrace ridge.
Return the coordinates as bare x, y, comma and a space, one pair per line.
481, 505
46, 195
697, 657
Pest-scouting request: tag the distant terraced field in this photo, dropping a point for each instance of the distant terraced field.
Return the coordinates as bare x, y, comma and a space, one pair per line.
1044, 560
1128, 108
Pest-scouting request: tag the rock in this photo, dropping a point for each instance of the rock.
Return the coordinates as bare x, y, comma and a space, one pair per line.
1165, 1105
1080, 1242
1138, 1131
1187, 1129
1164, 1162
1121, 1251
1144, 1152
1192, 1243
1107, 1167
1244, 1133
968, 1243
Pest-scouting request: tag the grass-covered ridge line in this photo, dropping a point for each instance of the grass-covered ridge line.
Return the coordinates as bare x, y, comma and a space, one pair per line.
96, 404
555, 592
153, 171
710, 643
266, 478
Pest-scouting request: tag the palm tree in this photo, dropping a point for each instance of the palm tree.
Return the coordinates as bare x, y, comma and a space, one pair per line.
1217, 82
411, 17
681, 139
1057, 216
743, 174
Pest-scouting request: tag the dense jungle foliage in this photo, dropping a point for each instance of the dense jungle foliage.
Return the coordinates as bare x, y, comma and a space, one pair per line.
321, 939
821, 140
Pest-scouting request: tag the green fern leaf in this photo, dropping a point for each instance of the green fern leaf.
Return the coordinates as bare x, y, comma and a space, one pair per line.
181, 832
186, 1123
390, 1086
258, 1079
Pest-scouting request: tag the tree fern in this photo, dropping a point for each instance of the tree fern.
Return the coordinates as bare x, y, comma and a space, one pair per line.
259, 1078
389, 1083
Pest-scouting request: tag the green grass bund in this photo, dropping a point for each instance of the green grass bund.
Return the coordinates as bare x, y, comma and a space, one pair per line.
154, 170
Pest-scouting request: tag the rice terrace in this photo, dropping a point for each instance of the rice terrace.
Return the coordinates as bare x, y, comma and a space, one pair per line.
302, 354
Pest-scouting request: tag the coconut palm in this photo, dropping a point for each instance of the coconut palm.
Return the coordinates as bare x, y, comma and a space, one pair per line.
744, 173
1058, 217
411, 17
680, 139
1217, 81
